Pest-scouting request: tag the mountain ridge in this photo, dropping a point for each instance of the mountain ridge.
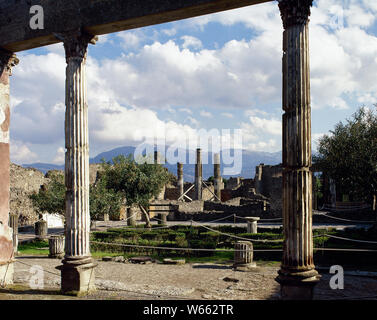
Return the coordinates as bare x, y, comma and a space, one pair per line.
250, 159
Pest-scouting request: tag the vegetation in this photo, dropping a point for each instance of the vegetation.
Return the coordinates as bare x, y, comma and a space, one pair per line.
122, 182
51, 197
349, 155
136, 183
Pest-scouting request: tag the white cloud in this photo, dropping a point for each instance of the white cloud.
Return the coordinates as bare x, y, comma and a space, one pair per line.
185, 110
227, 115
191, 42
206, 114
20, 153
130, 39
242, 74
260, 134
60, 156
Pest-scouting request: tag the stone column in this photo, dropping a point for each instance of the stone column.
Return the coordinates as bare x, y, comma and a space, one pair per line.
252, 224
7, 61
162, 218
157, 160
332, 193
157, 157
41, 230
180, 182
297, 275
217, 176
131, 217
198, 175
77, 270
13, 223
243, 256
56, 246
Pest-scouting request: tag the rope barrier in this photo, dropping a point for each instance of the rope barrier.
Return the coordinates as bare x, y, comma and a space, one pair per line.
227, 250
164, 248
276, 219
341, 219
236, 237
348, 239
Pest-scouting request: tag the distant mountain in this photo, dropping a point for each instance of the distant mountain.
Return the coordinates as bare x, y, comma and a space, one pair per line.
250, 159
44, 167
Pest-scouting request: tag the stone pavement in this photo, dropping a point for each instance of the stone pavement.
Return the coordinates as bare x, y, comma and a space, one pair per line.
127, 281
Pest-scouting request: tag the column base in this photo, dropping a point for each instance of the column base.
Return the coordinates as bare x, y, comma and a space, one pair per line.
77, 276
6, 273
297, 285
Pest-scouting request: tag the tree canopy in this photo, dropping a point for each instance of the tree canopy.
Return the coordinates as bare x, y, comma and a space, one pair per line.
138, 183
51, 197
122, 182
349, 154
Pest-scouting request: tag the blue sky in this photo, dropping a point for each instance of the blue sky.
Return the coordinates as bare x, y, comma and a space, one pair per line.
220, 71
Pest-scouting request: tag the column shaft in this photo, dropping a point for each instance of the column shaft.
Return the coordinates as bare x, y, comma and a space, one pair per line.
77, 159
7, 61
77, 269
297, 269
198, 176
217, 176
180, 182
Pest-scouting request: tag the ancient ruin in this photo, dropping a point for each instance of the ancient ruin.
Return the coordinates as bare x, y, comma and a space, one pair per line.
76, 23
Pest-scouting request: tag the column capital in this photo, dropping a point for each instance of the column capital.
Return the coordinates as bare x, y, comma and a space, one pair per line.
76, 43
294, 12
8, 60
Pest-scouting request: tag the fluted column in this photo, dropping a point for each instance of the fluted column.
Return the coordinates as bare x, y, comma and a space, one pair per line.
7, 61
180, 182
198, 175
297, 275
77, 259
157, 161
217, 176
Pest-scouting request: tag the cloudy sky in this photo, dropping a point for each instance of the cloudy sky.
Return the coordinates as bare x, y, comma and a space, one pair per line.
220, 71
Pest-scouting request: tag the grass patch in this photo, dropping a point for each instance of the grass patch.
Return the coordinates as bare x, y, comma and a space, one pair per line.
38, 247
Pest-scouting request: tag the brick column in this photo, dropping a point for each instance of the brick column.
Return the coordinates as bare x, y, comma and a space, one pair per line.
7, 61
297, 275
78, 268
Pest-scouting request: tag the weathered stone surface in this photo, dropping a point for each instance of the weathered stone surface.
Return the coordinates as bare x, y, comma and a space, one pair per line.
56, 246
78, 268
96, 17
297, 273
198, 175
174, 261
7, 61
180, 181
217, 177
141, 260
24, 182
243, 256
41, 229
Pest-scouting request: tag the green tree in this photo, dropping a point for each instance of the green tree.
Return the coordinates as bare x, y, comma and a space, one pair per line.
349, 155
137, 183
104, 201
51, 197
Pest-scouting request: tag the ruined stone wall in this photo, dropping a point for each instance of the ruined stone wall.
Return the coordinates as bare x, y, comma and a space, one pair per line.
24, 182
269, 182
172, 193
